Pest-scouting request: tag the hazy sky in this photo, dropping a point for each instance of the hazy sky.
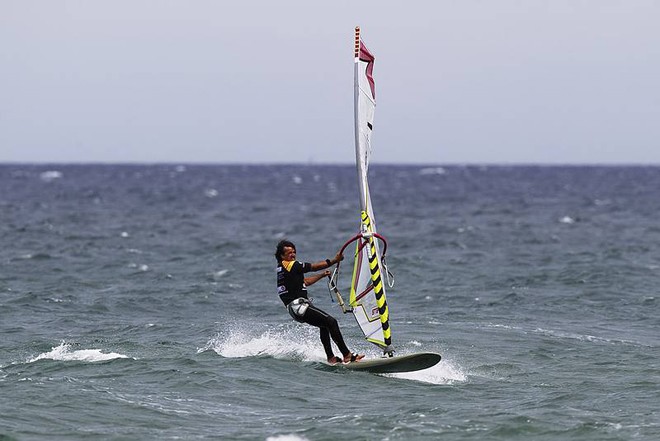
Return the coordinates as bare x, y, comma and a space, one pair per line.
460, 81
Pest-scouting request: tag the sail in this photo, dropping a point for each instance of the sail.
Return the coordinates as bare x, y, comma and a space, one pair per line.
367, 297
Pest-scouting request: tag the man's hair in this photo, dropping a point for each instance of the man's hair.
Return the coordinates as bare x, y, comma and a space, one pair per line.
280, 248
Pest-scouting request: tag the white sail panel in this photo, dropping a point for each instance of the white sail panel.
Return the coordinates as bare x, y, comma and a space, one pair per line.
365, 106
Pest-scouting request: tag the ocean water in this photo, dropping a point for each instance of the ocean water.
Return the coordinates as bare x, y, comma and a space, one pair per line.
138, 303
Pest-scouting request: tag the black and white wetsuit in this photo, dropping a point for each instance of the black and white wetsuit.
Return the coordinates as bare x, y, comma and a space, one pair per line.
293, 293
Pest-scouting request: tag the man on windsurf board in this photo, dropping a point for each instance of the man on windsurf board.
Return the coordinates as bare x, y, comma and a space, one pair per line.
292, 289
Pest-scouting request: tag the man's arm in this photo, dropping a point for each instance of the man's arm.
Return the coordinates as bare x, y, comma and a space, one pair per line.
327, 263
316, 277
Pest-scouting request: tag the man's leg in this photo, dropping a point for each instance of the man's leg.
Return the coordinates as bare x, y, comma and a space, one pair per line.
316, 317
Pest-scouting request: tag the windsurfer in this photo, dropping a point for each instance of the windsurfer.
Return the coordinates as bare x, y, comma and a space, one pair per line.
292, 289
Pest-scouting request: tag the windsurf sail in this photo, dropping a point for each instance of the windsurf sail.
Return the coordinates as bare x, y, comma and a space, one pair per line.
367, 299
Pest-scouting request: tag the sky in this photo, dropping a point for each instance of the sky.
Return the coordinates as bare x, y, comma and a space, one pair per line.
265, 82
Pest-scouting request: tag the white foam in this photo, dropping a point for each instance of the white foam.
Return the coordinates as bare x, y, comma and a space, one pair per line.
290, 437
292, 341
50, 175
140, 267
63, 352
219, 274
211, 193
301, 342
444, 372
432, 171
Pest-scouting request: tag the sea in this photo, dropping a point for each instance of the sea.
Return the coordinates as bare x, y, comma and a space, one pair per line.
138, 302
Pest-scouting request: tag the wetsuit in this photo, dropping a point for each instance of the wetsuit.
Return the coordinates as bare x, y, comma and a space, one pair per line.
291, 287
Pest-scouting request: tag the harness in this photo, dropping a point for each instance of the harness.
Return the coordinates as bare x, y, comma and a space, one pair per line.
297, 308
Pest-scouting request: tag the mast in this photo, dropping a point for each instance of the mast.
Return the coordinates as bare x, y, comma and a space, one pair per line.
356, 103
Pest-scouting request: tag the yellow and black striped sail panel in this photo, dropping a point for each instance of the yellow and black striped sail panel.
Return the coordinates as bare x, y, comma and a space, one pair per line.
367, 289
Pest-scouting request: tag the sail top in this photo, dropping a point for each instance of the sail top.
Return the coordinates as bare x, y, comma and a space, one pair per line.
362, 54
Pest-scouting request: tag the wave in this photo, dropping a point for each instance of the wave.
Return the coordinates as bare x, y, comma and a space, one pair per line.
291, 341
445, 372
50, 175
301, 343
290, 437
560, 334
63, 352
587, 337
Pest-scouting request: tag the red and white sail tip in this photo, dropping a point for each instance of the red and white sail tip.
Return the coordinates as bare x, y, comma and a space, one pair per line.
363, 56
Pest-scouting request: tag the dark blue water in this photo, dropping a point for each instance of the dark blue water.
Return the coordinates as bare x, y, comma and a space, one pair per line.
138, 302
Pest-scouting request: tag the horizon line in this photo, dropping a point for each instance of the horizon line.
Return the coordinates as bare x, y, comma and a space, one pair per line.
340, 164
